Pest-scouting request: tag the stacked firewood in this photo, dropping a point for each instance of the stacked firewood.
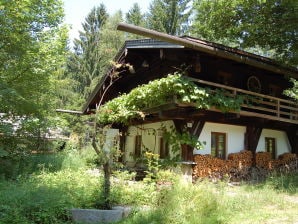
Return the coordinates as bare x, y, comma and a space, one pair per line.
283, 160
238, 164
287, 157
287, 162
241, 159
206, 165
263, 159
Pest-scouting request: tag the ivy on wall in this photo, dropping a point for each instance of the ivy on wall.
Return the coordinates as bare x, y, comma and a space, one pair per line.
161, 91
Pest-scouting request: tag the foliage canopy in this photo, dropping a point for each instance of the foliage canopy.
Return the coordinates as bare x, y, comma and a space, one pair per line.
32, 53
269, 26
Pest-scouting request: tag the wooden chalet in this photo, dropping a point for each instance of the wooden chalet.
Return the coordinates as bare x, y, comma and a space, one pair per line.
268, 123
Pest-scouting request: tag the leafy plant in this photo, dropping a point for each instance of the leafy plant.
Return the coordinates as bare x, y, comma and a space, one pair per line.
153, 166
46, 197
172, 88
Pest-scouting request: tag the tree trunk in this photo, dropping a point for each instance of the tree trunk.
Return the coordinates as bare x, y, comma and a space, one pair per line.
107, 185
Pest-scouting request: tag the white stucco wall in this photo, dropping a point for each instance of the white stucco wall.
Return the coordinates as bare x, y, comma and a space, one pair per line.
234, 137
282, 142
150, 138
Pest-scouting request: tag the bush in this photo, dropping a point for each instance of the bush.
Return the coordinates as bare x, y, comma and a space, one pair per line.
46, 198
25, 165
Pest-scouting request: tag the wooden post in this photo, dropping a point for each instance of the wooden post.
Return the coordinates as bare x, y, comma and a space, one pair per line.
278, 108
195, 129
292, 134
251, 140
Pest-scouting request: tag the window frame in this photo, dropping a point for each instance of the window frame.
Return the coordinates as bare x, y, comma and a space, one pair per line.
216, 154
274, 149
164, 150
138, 146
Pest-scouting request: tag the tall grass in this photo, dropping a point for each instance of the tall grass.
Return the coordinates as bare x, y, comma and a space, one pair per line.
46, 198
205, 202
11, 168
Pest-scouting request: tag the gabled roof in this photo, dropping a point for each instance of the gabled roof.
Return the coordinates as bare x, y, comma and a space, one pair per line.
129, 44
213, 49
160, 40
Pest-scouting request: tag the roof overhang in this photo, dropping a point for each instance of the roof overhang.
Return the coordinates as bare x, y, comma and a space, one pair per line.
161, 41
213, 49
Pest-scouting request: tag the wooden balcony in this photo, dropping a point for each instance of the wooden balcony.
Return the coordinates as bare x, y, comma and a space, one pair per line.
258, 105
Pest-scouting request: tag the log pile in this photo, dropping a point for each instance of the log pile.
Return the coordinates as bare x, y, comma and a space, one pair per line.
283, 160
237, 165
263, 159
287, 157
241, 159
206, 165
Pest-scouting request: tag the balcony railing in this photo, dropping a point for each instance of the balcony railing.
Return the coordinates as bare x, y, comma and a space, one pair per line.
259, 105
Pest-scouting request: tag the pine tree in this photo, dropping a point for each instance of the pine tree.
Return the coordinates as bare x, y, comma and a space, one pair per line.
84, 64
169, 16
134, 16
111, 40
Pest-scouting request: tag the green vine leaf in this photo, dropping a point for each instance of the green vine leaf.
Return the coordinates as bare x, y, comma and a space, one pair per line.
157, 92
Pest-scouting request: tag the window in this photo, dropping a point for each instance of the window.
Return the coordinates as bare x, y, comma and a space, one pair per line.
218, 145
254, 84
163, 148
274, 90
270, 146
224, 78
138, 146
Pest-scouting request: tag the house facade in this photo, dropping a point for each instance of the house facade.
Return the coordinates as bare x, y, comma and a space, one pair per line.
266, 122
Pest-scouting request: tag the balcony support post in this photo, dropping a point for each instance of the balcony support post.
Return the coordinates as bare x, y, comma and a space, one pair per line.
292, 134
195, 129
252, 136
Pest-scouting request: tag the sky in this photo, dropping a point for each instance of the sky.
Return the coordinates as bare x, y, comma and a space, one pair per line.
77, 10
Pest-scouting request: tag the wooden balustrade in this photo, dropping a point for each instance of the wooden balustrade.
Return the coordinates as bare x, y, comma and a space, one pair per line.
259, 105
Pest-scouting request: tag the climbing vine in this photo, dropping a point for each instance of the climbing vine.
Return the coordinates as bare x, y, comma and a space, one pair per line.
158, 92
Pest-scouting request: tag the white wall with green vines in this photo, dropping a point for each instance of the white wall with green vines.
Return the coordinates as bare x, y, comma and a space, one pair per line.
150, 138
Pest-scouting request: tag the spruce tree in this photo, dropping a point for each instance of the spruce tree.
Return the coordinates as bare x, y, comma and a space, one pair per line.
134, 16
84, 64
169, 16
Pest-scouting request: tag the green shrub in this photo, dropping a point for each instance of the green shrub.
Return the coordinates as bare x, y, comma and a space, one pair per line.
283, 183
46, 197
25, 165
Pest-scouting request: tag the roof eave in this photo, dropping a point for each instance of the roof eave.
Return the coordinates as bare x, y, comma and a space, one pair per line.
85, 108
207, 49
